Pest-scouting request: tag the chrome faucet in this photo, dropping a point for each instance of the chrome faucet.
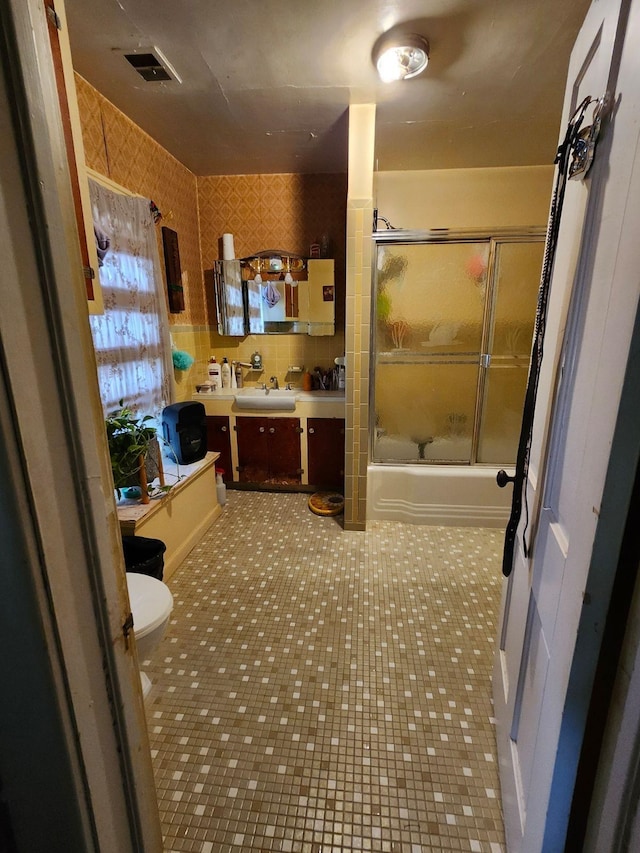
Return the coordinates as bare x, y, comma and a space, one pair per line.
274, 383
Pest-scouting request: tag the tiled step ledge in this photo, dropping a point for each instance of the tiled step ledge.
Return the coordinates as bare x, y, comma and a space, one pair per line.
179, 517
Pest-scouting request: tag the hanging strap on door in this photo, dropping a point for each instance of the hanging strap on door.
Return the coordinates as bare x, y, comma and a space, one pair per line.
573, 160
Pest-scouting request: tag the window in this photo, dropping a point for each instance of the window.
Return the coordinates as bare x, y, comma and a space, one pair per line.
131, 338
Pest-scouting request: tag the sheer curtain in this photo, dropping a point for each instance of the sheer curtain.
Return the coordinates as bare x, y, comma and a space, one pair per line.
131, 338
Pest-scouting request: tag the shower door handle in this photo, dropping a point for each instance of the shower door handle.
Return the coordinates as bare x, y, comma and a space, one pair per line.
503, 479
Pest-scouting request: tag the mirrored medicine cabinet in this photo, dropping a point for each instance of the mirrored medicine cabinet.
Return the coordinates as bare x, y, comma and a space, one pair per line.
275, 293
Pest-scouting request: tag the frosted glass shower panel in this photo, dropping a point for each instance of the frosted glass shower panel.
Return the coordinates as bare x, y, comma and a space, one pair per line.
517, 280
515, 295
424, 411
454, 317
430, 297
504, 391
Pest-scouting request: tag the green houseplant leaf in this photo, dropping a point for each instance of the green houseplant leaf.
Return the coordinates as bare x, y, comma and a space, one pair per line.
129, 438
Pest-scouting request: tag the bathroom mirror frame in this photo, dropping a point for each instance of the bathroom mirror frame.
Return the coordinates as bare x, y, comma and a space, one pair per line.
294, 294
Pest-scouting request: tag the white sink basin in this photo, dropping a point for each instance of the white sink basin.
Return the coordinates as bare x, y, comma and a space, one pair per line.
266, 399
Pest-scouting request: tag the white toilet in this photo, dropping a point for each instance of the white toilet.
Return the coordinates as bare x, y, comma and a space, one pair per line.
151, 606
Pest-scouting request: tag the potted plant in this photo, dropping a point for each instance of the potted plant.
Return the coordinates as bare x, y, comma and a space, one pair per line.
133, 448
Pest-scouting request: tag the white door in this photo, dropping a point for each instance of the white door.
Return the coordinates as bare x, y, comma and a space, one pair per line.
591, 311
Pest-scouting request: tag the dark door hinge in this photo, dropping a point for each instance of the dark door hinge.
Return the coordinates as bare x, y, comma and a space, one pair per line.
298, 429
54, 17
127, 628
88, 272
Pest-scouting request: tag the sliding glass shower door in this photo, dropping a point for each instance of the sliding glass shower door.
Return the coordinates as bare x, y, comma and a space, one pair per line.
453, 323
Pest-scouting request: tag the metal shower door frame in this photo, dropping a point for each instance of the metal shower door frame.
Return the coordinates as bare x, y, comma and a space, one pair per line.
493, 237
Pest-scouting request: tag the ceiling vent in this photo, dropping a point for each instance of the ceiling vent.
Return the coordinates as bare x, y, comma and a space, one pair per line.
151, 65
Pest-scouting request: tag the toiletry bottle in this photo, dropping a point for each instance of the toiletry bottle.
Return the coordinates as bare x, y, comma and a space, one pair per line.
239, 376
225, 373
341, 372
221, 489
214, 373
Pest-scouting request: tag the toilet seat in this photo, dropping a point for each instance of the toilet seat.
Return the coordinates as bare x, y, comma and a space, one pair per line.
151, 602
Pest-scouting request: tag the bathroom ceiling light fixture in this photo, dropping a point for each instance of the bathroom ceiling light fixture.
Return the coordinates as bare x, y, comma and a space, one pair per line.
401, 56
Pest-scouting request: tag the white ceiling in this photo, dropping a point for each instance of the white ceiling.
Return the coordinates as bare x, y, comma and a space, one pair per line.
266, 84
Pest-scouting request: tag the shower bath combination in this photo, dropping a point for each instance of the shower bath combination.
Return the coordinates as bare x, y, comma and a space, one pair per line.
452, 328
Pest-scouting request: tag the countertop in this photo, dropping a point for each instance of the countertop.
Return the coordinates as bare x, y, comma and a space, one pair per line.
301, 396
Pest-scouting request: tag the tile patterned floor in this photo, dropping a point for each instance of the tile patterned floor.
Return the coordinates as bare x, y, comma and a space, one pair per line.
320, 690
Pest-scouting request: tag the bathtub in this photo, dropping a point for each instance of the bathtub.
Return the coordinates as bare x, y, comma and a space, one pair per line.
450, 495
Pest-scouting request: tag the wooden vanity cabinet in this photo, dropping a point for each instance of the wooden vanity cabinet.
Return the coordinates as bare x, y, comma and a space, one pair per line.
325, 444
269, 451
219, 440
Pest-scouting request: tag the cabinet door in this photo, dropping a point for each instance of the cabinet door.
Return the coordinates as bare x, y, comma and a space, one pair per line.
284, 451
325, 443
253, 454
219, 441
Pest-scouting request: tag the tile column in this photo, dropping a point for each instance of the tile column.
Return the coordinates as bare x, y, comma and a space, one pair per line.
358, 311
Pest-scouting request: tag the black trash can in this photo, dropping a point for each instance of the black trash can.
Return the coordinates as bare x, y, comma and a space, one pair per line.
144, 556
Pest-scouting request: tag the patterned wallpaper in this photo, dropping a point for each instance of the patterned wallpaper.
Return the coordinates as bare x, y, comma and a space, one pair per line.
119, 149
282, 211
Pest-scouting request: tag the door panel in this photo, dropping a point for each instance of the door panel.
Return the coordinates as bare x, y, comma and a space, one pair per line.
552, 546
515, 603
548, 583
284, 451
219, 441
524, 732
269, 450
504, 391
434, 424
517, 275
325, 443
253, 453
